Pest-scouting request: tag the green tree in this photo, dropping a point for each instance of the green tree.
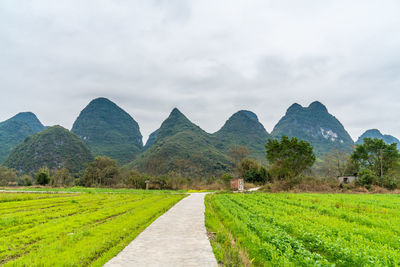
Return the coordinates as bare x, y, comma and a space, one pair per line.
251, 171
62, 177
102, 171
375, 155
238, 153
7, 176
43, 176
289, 157
134, 179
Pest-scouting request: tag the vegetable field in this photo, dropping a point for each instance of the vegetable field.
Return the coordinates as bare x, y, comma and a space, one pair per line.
305, 229
73, 229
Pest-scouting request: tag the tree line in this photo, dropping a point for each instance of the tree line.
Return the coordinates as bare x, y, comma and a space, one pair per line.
288, 160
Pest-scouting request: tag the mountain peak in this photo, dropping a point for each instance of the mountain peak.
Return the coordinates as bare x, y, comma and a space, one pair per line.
176, 117
101, 100
318, 106
24, 115
175, 123
243, 121
249, 114
176, 113
375, 133
243, 128
16, 129
109, 130
294, 108
29, 118
315, 125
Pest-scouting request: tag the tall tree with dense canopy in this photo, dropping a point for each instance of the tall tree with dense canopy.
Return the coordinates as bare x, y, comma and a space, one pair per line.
376, 156
289, 157
102, 171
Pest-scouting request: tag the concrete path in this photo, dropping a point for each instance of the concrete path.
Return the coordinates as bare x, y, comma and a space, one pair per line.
177, 238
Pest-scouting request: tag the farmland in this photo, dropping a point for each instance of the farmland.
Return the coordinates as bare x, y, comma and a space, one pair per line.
304, 229
42, 229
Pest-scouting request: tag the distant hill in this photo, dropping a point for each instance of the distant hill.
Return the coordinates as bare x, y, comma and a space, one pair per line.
375, 133
108, 130
315, 125
54, 147
181, 146
243, 128
16, 129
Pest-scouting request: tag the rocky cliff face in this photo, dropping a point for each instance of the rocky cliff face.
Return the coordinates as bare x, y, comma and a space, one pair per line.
315, 125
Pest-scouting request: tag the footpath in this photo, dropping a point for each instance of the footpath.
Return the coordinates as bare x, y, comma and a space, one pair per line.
176, 238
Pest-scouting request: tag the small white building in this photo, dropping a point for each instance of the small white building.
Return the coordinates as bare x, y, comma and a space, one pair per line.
346, 179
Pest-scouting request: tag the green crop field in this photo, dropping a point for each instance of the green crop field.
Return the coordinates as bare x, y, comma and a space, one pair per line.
87, 229
305, 229
79, 189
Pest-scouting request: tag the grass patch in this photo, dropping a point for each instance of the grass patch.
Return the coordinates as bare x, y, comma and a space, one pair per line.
80, 189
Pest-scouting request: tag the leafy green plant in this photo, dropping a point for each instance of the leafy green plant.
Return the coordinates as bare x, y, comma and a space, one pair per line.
73, 229
306, 229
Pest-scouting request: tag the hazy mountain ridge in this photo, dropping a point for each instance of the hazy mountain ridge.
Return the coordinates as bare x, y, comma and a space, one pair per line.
55, 147
375, 133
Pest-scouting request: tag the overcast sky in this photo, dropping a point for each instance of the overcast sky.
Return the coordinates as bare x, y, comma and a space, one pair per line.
209, 58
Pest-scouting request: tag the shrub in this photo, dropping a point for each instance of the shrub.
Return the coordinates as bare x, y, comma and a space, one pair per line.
366, 178
25, 180
42, 176
252, 172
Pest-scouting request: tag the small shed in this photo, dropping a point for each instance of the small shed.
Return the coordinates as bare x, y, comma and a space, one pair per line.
346, 179
237, 184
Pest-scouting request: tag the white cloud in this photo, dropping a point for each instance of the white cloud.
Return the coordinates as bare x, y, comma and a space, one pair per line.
209, 58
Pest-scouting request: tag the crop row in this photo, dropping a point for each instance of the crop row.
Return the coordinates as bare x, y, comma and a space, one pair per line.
311, 229
74, 230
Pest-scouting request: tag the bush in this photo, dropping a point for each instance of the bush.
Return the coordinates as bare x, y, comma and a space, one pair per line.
226, 177
366, 178
62, 177
7, 176
103, 171
391, 180
25, 180
42, 176
134, 179
252, 172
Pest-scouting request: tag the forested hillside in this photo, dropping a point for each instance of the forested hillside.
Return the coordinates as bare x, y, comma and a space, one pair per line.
109, 131
15, 130
54, 148
181, 146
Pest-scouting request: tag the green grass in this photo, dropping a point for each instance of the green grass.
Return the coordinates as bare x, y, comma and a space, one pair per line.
43, 229
78, 189
305, 229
